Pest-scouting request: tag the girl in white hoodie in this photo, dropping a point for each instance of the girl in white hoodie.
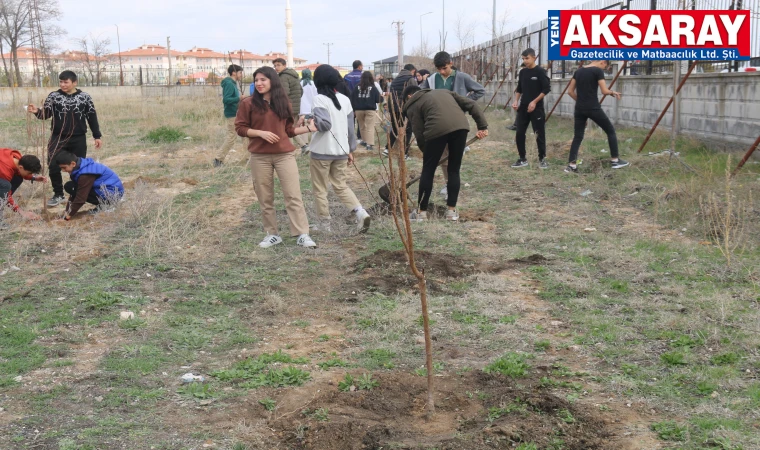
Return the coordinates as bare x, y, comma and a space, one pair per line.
332, 147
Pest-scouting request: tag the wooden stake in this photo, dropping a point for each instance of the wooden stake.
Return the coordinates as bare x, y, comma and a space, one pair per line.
612, 83
557, 103
746, 156
670, 102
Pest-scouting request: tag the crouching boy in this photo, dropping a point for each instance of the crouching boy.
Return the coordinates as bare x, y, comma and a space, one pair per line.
14, 169
91, 182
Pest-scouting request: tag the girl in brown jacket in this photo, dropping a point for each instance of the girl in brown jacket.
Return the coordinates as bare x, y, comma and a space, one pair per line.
266, 118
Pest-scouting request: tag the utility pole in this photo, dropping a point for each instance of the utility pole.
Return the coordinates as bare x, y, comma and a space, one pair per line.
400, 36
121, 67
443, 26
328, 44
493, 19
169, 51
289, 33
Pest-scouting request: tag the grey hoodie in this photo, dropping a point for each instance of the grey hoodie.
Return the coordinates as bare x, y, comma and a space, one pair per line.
464, 85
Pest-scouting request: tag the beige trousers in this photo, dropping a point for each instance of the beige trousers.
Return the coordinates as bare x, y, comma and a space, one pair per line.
230, 137
263, 167
333, 172
367, 120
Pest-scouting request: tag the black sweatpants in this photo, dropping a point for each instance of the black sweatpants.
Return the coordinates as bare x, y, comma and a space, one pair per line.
71, 189
9, 187
456, 141
537, 118
76, 145
601, 119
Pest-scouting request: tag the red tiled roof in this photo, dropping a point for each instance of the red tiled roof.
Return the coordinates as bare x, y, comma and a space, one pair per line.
202, 52
147, 50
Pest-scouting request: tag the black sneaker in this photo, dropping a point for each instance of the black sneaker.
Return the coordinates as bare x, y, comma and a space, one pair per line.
543, 164
520, 163
385, 152
512, 127
55, 201
370, 148
619, 164
217, 162
304, 150
571, 169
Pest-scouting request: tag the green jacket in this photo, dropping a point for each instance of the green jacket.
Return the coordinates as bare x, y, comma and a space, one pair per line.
435, 113
289, 80
230, 97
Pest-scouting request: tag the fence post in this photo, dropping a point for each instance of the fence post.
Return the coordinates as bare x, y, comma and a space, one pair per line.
141, 76
652, 6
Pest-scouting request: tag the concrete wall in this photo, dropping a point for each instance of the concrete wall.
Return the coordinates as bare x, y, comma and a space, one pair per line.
721, 107
19, 96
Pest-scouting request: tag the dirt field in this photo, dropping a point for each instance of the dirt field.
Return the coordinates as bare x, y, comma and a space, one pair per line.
605, 310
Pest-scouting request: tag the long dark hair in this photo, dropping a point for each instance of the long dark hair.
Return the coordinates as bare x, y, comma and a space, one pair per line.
278, 101
328, 80
367, 81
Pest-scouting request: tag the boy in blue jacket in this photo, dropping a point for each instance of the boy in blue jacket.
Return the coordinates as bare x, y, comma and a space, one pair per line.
91, 182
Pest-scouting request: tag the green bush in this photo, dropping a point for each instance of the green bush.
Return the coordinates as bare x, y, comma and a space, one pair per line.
163, 135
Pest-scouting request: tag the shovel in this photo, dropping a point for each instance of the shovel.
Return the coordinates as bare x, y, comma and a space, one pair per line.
385, 190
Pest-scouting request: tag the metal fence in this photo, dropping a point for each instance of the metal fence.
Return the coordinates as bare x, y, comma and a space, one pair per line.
500, 58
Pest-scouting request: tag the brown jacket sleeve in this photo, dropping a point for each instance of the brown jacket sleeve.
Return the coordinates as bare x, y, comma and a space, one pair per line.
243, 118
290, 128
470, 106
84, 186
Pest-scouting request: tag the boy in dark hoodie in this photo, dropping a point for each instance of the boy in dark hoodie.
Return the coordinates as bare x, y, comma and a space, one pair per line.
71, 110
91, 182
290, 82
14, 169
438, 120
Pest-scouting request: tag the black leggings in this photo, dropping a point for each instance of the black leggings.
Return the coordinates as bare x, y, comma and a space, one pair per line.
599, 118
76, 145
434, 148
535, 118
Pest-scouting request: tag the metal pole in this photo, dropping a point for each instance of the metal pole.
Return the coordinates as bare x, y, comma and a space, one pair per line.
621, 70
662, 114
557, 102
746, 156
493, 21
443, 26
121, 67
169, 52
674, 123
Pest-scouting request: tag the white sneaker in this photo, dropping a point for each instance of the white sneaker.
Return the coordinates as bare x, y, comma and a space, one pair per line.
445, 191
323, 225
452, 214
270, 240
305, 241
363, 220
467, 149
417, 216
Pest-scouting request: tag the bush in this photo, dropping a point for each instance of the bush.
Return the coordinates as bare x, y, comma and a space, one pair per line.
164, 134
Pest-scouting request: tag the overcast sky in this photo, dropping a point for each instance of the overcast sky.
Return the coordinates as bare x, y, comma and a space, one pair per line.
358, 30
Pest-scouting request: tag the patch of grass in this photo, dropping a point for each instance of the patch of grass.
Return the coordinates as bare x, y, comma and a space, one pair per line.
268, 404
422, 371
497, 412
566, 416
674, 358
670, 430
511, 319
377, 358
334, 362
257, 372
132, 324
513, 365
725, 359
197, 391
366, 382
542, 345
164, 135
347, 383
527, 446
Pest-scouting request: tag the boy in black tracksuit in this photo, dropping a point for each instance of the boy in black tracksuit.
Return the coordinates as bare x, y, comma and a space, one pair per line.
71, 111
583, 89
532, 85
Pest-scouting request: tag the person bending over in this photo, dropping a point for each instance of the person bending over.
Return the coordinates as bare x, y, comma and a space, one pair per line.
438, 120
